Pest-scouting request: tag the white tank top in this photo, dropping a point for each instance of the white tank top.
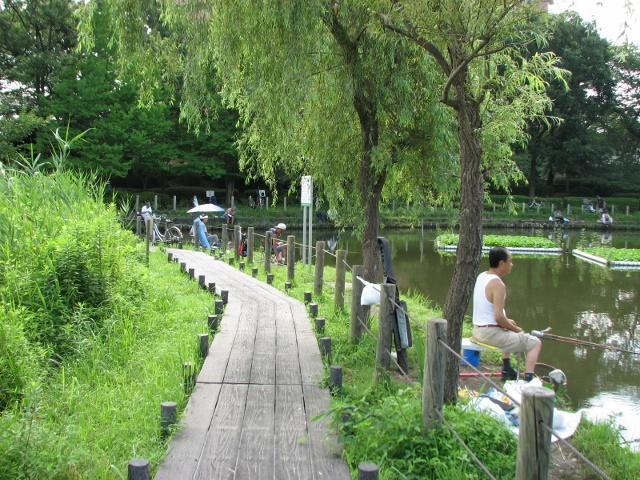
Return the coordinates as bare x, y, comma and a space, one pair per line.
483, 308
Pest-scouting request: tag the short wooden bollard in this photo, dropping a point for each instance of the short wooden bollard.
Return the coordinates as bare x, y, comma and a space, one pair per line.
341, 258
627, 210
307, 298
250, 245
202, 281
168, 416
225, 238
267, 251
358, 312
270, 278
180, 245
224, 295
335, 378
254, 272
534, 442
287, 285
212, 321
318, 278
183, 267
212, 288
138, 469
188, 376
219, 307
237, 238
319, 322
367, 471
203, 339
433, 375
325, 348
231, 261
175, 259
192, 273
169, 257
313, 310
241, 266
291, 257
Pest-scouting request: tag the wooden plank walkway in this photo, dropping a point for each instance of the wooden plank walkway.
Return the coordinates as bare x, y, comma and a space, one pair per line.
250, 415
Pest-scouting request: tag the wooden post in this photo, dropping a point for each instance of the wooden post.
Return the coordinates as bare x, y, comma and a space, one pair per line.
155, 203
307, 298
385, 331
212, 288
219, 307
325, 348
137, 203
313, 310
168, 416
494, 208
175, 203
224, 295
237, 238
523, 207
192, 273
203, 339
357, 312
267, 251
270, 278
183, 267
433, 377
138, 469
341, 256
613, 209
241, 266
287, 285
149, 232
212, 321
534, 441
627, 210
538, 209
169, 257
367, 471
285, 204
335, 378
291, 257
225, 238
568, 209
230, 260
202, 282
319, 274
320, 325
187, 376
254, 272
250, 245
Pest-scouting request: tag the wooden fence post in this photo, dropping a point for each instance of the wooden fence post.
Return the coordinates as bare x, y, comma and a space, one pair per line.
385, 331
568, 209
341, 256
250, 245
368, 471
267, 251
168, 416
318, 279
225, 238
175, 202
433, 376
627, 210
155, 203
534, 441
613, 209
138, 469
237, 237
356, 308
137, 203
148, 227
291, 257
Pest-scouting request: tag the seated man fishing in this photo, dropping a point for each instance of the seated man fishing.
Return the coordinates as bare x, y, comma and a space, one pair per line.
203, 239
490, 322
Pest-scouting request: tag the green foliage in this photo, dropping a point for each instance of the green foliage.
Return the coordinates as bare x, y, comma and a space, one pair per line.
615, 254
601, 443
501, 241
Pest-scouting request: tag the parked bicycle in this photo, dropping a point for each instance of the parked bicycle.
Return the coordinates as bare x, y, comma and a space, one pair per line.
169, 234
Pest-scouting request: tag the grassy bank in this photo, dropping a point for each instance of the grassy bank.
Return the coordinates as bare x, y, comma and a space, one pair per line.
91, 341
615, 254
508, 241
382, 423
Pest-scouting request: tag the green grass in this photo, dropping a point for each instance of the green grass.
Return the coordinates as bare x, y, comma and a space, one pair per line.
502, 241
615, 254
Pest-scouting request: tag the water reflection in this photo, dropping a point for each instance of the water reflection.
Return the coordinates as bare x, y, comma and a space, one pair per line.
577, 299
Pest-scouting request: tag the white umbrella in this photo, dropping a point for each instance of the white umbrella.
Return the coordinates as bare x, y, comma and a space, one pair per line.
206, 208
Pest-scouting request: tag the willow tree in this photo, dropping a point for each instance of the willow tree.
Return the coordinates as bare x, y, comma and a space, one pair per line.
321, 89
493, 90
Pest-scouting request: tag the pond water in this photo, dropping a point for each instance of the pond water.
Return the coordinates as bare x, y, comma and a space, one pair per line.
577, 299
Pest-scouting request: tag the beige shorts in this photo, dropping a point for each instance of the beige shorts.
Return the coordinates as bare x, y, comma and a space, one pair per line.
505, 340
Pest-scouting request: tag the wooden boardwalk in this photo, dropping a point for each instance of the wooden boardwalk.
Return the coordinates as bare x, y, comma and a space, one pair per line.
251, 413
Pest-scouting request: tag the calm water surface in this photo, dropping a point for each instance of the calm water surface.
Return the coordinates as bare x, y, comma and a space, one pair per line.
577, 299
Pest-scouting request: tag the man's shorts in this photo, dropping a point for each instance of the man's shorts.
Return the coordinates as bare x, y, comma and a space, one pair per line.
505, 340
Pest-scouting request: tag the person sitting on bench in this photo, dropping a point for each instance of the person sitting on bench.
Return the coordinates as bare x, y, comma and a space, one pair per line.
490, 322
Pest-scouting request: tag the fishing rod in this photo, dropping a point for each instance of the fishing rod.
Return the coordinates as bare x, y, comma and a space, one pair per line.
574, 341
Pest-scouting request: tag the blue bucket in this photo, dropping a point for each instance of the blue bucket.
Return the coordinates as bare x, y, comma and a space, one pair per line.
471, 356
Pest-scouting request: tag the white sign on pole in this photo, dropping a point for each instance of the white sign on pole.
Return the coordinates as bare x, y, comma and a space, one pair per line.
210, 193
306, 195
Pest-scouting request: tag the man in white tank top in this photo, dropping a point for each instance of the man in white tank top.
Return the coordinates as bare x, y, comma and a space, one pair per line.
490, 322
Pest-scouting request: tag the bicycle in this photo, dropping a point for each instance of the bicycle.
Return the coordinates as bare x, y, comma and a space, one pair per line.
172, 234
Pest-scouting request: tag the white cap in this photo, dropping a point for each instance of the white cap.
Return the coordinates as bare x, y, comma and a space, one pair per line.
281, 226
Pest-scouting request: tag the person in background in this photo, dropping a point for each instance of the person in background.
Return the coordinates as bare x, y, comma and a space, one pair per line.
146, 212
202, 237
490, 322
230, 215
279, 247
606, 219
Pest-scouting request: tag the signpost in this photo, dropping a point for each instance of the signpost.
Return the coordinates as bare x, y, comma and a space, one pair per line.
306, 200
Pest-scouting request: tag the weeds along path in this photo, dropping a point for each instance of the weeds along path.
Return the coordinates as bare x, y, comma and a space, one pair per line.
251, 413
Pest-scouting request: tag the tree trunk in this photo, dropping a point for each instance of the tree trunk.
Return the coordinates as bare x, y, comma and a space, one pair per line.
230, 185
533, 174
470, 244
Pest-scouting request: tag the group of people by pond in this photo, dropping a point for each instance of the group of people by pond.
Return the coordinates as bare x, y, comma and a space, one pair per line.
605, 219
